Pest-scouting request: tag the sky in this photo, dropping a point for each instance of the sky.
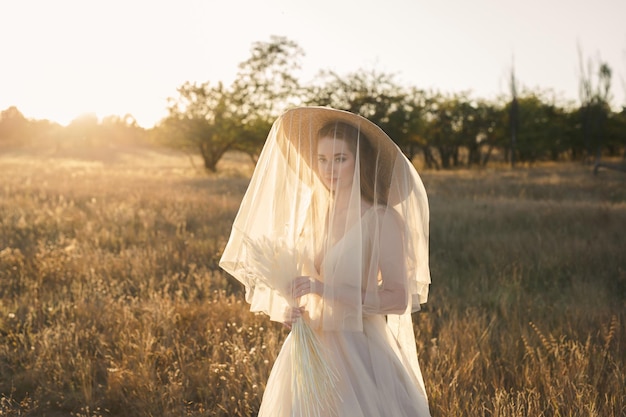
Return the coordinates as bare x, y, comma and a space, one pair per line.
63, 58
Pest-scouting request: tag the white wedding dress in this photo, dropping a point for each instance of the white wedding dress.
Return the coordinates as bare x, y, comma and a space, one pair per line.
376, 379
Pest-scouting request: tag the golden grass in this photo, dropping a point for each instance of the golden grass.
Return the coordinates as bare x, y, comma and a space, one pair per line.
112, 303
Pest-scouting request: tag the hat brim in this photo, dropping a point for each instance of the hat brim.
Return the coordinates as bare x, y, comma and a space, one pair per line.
304, 123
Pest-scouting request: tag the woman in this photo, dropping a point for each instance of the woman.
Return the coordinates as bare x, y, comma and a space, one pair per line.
348, 217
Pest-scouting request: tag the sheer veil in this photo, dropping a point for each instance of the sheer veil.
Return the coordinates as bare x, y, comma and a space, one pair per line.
362, 231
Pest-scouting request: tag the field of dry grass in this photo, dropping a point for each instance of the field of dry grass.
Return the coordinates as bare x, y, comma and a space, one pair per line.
112, 304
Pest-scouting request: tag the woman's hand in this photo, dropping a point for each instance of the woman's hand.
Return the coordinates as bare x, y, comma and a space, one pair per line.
291, 315
304, 285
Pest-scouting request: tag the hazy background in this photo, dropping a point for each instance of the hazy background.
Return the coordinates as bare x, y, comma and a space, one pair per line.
68, 57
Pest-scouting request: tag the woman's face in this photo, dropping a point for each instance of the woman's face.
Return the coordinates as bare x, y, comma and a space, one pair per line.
335, 163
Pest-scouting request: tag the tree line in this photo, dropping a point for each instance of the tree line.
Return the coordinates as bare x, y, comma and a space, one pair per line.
444, 130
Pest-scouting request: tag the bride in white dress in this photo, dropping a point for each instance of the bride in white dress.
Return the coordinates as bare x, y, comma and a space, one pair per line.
336, 191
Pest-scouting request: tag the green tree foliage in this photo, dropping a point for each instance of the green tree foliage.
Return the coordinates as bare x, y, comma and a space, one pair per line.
490, 130
513, 116
406, 124
451, 125
202, 119
371, 94
616, 134
541, 131
215, 119
595, 108
266, 85
378, 97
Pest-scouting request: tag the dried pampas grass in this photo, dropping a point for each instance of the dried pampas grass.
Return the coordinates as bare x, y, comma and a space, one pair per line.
275, 264
314, 381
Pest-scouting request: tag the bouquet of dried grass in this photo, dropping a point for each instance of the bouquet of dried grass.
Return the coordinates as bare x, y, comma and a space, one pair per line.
275, 264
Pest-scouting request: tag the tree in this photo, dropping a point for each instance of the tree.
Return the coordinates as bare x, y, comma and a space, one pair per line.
266, 83
406, 124
542, 132
448, 119
83, 130
202, 119
482, 130
212, 119
594, 104
513, 116
373, 95
122, 130
265, 86
13, 126
493, 129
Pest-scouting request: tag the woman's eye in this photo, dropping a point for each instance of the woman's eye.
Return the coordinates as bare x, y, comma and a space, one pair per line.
340, 159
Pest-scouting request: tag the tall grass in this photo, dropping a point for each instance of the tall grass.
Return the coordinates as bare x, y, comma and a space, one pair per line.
112, 304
